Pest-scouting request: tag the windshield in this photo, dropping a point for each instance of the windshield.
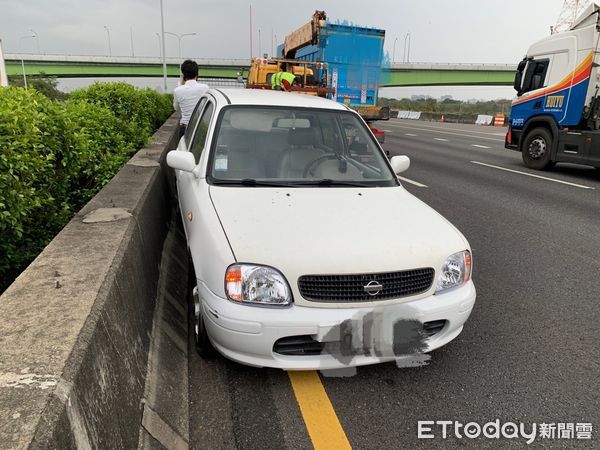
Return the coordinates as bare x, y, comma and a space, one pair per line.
258, 146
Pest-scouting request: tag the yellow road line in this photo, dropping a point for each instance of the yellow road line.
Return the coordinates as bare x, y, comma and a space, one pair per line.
320, 418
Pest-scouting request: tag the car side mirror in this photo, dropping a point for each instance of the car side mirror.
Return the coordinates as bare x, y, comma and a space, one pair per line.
179, 160
400, 163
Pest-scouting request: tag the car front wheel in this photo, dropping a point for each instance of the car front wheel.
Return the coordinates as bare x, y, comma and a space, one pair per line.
203, 345
537, 148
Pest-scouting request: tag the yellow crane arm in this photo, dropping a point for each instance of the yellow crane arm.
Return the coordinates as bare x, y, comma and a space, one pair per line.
307, 34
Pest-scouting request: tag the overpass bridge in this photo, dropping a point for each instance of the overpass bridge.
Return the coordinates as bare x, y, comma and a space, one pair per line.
398, 74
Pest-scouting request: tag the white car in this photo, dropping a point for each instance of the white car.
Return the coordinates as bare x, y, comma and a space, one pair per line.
308, 252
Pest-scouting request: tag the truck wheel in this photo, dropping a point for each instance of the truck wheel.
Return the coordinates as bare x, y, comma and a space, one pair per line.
536, 149
203, 345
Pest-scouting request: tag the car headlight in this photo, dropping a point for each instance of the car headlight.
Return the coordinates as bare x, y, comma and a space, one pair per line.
257, 285
455, 271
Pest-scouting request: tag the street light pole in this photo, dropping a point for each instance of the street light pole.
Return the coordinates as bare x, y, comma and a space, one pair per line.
159, 48
3, 77
37, 40
179, 38
108, 37
406, 57
23, 62
394, 52
164, 60
131, 38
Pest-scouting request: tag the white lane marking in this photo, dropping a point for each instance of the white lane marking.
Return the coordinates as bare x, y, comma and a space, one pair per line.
387, 131
533, 175
410, 134
430, 127
448, 132
440, 139
416, 183
480, 146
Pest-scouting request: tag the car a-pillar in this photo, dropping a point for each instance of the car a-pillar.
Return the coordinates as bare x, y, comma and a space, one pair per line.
539, 146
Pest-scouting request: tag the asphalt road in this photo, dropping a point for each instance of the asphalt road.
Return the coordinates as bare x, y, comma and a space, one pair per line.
528, 354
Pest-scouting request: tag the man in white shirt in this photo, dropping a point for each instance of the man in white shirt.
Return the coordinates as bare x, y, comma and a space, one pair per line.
187, 94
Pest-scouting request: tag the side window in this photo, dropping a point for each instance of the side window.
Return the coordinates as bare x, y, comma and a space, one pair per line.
359, 145
329, 132
189, 131
535, 76
201, 132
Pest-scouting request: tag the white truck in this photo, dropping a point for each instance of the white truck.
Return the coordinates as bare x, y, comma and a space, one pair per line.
556, 115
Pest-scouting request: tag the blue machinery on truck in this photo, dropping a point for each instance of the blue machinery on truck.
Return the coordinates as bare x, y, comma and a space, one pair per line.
344, 60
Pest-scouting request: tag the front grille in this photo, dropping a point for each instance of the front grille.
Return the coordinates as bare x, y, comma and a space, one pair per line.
434, 327
298, 346
306, 346
351, 288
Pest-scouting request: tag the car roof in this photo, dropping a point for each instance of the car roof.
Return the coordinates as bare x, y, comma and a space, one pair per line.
265, 97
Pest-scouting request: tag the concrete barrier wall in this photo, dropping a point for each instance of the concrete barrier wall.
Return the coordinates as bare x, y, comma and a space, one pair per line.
483, 119
75, 326
450, 118
412, 115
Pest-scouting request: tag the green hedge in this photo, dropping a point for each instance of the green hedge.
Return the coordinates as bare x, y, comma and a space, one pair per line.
54, 156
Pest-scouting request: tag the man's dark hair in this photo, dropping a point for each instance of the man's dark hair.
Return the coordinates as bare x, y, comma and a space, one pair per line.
189, 69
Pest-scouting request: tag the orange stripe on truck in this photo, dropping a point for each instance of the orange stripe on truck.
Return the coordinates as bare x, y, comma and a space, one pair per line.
581, 73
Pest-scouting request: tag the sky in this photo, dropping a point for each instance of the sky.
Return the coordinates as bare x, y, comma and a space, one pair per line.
443, 31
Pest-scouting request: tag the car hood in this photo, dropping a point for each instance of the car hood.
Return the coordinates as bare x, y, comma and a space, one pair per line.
320, 231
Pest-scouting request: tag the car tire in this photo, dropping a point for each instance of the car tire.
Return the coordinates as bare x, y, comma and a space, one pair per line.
203, 345
536, 150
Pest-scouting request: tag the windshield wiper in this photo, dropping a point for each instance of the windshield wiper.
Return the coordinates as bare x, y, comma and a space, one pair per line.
327, 182
330, 182
252, 182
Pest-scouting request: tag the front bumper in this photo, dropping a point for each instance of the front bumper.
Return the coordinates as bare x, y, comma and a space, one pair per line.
515, 141
247, 334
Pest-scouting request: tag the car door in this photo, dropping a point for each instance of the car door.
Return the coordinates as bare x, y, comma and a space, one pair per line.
187, 182
184, 144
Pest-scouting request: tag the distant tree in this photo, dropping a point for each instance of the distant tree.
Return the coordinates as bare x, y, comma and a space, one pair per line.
45, 84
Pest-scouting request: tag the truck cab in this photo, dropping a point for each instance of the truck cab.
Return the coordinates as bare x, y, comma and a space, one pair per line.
555, 116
